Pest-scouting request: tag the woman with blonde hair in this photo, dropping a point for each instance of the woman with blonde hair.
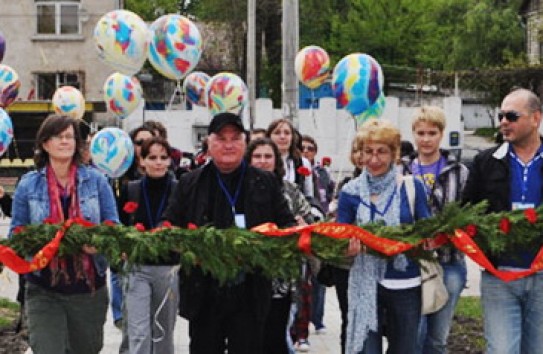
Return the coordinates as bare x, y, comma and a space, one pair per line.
381, 291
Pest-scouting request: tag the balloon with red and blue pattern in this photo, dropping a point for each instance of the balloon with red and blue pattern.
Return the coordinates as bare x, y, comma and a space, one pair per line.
112, 151
122, 94
357, 82
2, 46
312, 66
6, 131
122, 38
176, 46
69, 101
9, 85
226, 92
194, 87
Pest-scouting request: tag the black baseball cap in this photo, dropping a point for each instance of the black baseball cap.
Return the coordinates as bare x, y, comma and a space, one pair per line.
223, 119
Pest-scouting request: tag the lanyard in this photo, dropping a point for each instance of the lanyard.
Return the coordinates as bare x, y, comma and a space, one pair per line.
523, 170
373, 207
154, 221
232, 199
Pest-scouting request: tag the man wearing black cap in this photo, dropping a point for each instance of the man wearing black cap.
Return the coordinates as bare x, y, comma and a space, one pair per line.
227, 192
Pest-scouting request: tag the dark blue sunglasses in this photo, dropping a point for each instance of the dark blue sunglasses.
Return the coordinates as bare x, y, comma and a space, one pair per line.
511, 116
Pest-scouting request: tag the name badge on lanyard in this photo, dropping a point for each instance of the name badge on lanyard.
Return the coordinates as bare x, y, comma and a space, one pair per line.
239, 220
522, 206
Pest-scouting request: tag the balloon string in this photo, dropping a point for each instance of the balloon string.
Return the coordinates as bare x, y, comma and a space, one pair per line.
176, 91
313, 100
342, 167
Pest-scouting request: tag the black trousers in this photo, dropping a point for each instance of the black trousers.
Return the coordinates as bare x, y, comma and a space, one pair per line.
275, 335
341, 280
228, 322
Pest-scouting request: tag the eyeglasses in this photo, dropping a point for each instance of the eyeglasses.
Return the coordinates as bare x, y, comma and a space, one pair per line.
511, 116
139, 142
308, 148
380, 154
60, 137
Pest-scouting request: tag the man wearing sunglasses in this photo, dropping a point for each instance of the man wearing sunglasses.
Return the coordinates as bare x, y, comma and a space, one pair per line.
510, 177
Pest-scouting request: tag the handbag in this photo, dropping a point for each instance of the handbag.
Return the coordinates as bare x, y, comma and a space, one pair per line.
434, 292
325, 276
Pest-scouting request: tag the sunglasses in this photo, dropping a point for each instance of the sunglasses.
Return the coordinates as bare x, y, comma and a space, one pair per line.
511, 116
308, 148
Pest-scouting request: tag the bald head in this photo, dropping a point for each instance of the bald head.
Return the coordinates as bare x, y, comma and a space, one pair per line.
530, 99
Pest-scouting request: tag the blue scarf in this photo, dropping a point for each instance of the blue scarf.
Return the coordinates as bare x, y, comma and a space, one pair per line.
368, 270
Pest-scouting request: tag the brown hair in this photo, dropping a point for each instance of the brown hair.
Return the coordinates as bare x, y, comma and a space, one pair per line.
51, 126
279, 169
155, 140
293, 150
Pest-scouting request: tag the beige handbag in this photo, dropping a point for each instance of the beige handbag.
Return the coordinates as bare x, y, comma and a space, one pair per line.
434, 292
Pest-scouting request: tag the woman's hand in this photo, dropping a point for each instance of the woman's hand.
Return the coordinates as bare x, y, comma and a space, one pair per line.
355, 247
300, 221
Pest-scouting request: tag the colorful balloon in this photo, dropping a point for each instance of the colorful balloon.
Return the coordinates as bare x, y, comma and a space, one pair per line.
226, 92
194, 87
375, 111
122, 39
122, 94
112, 151
69, 101
9, 85
357, 82
2, 46
6, 131
312, 66
176, 46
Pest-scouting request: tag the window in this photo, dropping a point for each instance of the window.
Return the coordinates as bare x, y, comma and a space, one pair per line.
58, 17
47, 83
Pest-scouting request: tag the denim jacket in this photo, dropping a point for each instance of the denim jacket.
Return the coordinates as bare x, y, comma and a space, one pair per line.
96, 201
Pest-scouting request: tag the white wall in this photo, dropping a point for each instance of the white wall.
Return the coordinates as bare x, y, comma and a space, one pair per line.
333, 129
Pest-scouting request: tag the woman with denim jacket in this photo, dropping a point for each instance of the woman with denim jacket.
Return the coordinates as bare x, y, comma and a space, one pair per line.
381, 292
66, 302
444, 180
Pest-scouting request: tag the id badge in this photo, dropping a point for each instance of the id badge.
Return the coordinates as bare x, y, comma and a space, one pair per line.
239, 219
522, 206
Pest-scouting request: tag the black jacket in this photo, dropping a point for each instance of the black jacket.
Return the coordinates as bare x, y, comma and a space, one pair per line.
261, 200
489, 179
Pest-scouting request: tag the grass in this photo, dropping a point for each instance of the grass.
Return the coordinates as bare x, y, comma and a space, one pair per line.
469, 306
467, 330
9, 311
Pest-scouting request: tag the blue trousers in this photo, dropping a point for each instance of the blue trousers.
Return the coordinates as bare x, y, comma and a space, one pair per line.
434, 328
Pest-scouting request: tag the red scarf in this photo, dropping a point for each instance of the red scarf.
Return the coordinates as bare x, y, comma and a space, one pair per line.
83, 263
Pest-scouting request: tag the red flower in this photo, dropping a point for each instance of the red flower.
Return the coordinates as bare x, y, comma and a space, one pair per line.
304, 171
326, 161
18, 229
191, 226
49, 221
471, 230
139, 226
109, 223
130, 207
167, 224
530, 215
505, 225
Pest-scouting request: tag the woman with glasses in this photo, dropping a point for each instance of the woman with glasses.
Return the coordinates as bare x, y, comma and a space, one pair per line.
152, 291
444, 179
66, 302
381, 291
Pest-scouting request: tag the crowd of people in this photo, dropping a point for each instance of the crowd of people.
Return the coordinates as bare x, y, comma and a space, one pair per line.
245, 179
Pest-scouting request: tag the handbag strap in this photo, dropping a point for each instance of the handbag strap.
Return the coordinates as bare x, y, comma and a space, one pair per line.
409, 183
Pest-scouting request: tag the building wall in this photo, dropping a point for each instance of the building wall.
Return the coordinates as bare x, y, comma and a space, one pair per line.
333, 128
27, 53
